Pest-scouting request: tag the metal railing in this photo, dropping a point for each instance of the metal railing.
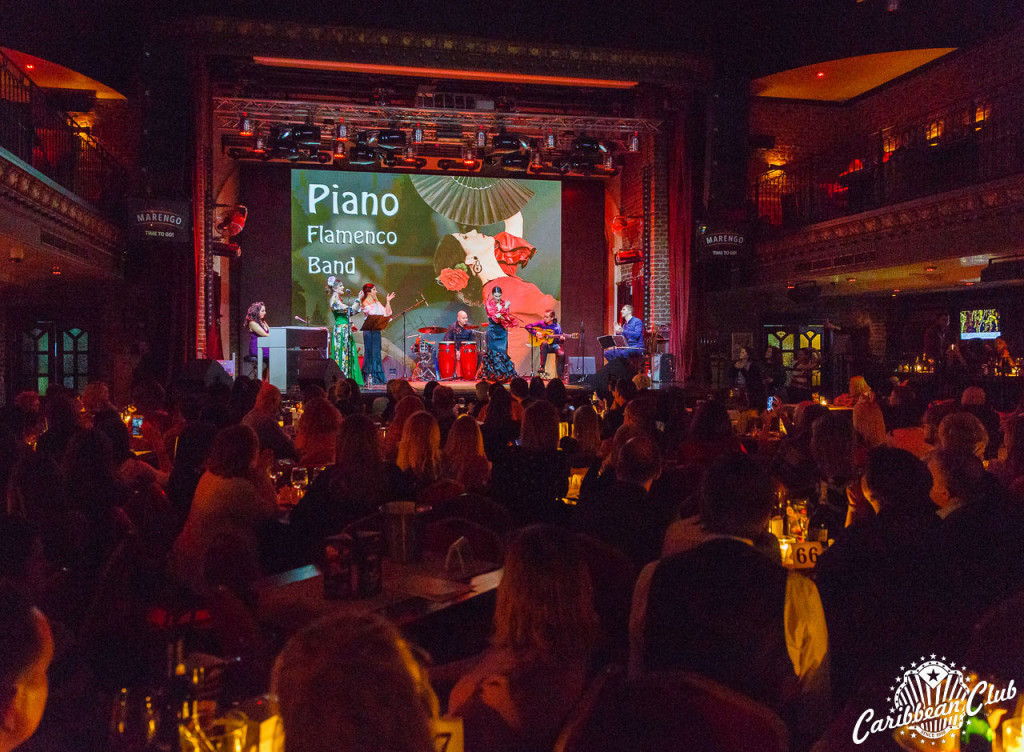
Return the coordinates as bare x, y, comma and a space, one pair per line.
964, 144
39, 133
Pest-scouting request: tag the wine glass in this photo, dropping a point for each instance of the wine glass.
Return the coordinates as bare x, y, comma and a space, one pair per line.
300, 479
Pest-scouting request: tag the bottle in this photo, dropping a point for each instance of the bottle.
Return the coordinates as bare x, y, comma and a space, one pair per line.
976, 734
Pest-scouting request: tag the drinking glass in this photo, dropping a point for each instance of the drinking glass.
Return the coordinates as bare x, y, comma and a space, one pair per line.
300, 479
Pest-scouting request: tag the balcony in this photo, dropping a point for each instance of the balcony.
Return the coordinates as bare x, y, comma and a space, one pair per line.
49, 141
965, 145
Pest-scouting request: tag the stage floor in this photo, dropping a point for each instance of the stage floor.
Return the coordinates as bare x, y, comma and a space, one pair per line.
467, 388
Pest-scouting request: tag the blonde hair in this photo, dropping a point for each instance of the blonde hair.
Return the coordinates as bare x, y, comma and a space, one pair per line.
349, 681
546, 599
586, 429
464, 450
963, 432
868, 422
420, 447
539, 431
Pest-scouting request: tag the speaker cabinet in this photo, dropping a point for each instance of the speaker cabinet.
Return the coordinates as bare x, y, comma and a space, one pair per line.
206, 372
663, 368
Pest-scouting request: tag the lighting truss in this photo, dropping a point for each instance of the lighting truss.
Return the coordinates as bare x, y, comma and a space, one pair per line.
228, 110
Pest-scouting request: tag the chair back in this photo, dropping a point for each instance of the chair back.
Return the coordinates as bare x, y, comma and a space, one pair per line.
479, 509
484, 544
673, 711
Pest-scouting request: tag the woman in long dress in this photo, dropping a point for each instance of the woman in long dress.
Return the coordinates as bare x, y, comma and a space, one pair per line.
373, 366
497, 366
342, 344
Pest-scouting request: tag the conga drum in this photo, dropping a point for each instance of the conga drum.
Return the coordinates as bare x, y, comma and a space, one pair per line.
467, 360
446, 360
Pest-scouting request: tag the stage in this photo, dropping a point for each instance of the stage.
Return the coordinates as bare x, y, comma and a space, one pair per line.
466, 388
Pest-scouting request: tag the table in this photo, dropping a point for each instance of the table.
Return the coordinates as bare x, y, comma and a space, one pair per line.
448, 617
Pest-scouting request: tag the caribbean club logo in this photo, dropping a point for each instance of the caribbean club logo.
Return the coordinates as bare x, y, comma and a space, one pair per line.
930, 701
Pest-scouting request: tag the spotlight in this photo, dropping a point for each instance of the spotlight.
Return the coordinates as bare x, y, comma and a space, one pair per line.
609, 161
391, 138
508, 143
634, 142
340, 131
468, 155
339, 149
245, 125
362, 154
410, 151
417, 134
549, 140
535, 160
515, 161
260, 147
587, 146
55, 270
481, 137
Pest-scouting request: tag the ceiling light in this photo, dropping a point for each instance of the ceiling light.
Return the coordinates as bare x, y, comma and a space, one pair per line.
245, 125
851, 279
820, 74
417, 134
260, 147
549, 140
341, 131
634, 142
468, 155
55, 270
481, 137
929, 268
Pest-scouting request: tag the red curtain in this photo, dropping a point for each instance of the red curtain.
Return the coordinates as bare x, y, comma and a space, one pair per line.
683, 335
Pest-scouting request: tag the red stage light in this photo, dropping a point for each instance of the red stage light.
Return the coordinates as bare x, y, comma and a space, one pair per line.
820, 74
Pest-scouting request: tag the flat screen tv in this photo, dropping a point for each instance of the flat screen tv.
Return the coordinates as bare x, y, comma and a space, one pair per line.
980, 323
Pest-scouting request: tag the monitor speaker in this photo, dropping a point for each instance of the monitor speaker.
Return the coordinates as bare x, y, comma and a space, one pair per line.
206, 372
320, 371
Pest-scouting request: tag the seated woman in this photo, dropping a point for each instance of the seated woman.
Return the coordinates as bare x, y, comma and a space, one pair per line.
352, 488
464, 460
393, 435
518, 693
317, 433
499, 425
419, 456
532, 478
234, 501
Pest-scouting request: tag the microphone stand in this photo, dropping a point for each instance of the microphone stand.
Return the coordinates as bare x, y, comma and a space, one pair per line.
405, 357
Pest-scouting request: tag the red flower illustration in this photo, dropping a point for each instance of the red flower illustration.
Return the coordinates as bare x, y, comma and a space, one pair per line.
453, 279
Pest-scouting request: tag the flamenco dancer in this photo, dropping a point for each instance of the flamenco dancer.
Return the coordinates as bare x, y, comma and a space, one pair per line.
343, 344
497, 366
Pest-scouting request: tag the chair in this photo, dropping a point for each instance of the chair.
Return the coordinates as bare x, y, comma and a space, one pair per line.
589, 723
673, 711
439, 492
479, 509
484, 544
613, 576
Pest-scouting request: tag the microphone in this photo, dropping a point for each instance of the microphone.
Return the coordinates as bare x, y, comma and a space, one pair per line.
424, 299
298, 318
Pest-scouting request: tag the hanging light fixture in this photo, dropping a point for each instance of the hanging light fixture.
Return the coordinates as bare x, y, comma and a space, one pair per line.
341, 131
245, 125
634, 142
549, 139
468, 155
481, 137
260, 146
410, 151
417, 134
339, 149
535, 160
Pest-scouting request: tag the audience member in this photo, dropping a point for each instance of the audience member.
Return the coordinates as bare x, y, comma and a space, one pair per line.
235, 499
480, 399
26, 649
873, 581
1011, 469
582, 447
444, 408
623, 513
349, 682
832, 449
520, 691
711, 436
464, 460
317, 432
192, 449
419, 455
500, 427
532, 478
726, 611
393, 436
973, 402
963, 432
868, 428
623, 391
62, 410
263, 420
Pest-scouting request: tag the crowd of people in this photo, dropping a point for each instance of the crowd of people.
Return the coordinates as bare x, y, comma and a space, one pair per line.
634, 527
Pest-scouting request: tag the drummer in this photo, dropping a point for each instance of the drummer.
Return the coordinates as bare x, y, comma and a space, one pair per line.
459, 331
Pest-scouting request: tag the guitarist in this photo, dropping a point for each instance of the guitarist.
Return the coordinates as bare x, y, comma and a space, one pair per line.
550, 331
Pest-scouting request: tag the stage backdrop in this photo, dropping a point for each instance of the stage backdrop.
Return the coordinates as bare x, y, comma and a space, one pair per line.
562, 219
432, 236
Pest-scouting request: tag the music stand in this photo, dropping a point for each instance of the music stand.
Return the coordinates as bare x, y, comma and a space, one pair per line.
375, 323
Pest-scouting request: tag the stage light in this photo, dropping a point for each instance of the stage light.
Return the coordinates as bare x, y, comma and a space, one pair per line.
410, 151
609, 161
339, 149
362, 154
820, 74
508, 143
585, 145
468, 154
549, 140
515, 161
634, 142
536, 161
340, 131
391, 138
55, 270
481, 137
245, 125
417, 134
260, 147
629, 256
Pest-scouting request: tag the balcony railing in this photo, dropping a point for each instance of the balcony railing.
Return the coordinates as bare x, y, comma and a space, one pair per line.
963, 145
47, 138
